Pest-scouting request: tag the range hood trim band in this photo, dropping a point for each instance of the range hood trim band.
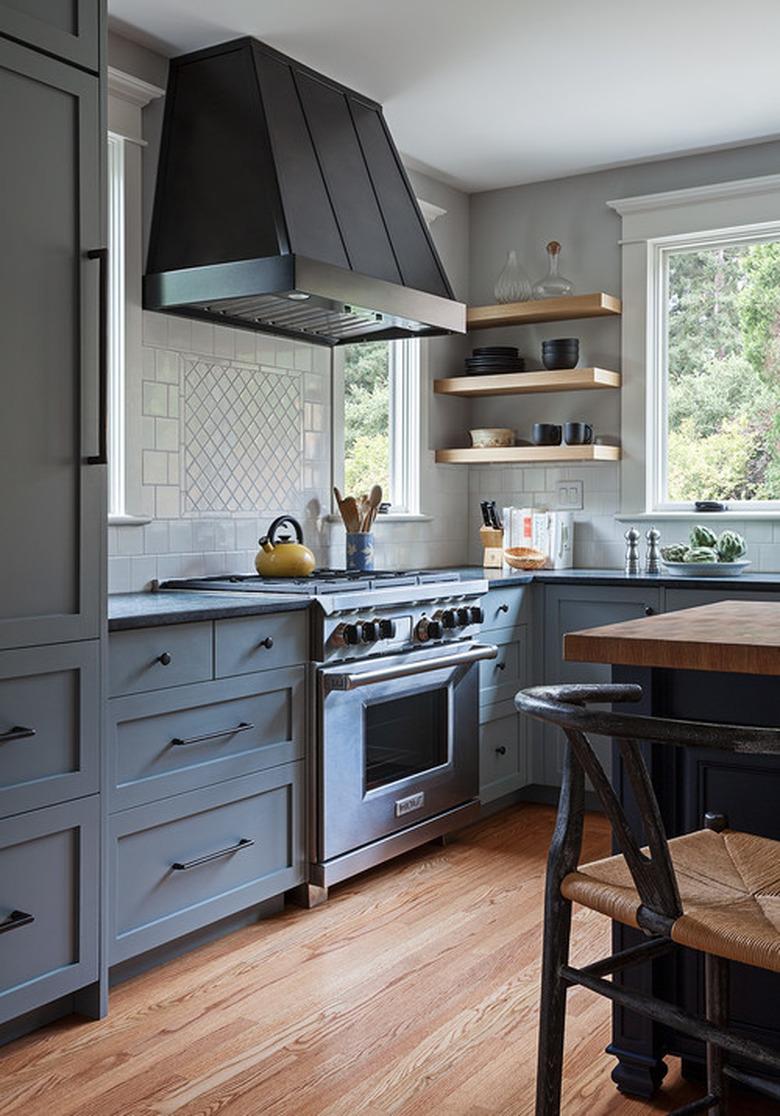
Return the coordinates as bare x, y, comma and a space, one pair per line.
177, 291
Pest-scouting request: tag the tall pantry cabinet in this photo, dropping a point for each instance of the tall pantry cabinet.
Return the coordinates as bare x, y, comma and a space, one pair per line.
52, 505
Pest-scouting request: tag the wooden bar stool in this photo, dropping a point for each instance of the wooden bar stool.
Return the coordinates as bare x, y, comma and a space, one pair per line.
715, 891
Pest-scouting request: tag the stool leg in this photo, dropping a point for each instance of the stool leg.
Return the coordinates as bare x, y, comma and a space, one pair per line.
552, 1010
716, 981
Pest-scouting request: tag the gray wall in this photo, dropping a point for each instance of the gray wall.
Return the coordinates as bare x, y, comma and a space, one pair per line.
574, 211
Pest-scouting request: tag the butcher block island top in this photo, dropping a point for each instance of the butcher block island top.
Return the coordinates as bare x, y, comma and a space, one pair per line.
740, 637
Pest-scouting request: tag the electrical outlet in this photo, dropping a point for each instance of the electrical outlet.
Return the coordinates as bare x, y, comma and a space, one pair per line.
569, 495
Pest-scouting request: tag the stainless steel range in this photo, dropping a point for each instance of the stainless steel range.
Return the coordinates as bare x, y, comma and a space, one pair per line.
396, 708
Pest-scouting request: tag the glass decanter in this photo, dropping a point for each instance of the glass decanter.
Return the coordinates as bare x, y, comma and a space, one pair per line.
512, 285
553, 285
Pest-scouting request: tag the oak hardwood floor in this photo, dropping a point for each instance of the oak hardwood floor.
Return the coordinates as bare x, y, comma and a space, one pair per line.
411, 992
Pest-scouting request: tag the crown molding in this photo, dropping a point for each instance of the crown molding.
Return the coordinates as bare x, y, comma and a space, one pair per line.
765, 184
132, 89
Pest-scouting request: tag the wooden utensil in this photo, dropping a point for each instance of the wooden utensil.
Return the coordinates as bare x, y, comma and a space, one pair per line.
374, 500
350, 514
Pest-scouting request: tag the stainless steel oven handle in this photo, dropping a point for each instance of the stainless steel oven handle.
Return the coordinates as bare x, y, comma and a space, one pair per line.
405, 670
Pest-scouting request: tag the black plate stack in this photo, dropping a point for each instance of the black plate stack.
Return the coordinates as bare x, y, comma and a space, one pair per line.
493, 359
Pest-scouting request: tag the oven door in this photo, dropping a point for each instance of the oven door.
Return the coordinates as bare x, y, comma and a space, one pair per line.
398, 742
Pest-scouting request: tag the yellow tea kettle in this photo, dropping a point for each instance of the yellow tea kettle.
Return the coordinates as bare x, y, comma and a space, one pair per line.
284, 558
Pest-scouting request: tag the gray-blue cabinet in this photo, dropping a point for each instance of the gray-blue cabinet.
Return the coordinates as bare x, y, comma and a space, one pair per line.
180, 863
52, 497
571, 608
48, 904
68, 29
503, 735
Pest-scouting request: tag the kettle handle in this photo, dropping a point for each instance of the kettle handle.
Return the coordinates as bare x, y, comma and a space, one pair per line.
285, 519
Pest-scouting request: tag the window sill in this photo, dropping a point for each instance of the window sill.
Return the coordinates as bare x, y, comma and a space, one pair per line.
127, 521
397, 517
741, 516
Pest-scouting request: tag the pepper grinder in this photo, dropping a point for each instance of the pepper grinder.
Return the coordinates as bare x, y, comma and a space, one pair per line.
652, 565
632, 550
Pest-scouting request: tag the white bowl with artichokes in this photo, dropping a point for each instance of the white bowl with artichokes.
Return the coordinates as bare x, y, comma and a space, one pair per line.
707, 554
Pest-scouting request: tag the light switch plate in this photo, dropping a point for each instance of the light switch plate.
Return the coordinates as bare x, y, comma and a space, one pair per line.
569, 495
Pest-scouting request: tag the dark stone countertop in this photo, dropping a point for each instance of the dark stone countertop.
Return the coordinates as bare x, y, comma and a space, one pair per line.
142, 610
139, 610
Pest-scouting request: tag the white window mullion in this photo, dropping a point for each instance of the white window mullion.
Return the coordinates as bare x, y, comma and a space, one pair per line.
116, 316
405, 425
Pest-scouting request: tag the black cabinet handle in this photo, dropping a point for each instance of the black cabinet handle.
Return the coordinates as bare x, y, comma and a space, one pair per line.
267, 643
501, 750
500, 666
185, 865
179, 742
503, 607
16, 919
165, 659
101, 457
649, 610
18, 732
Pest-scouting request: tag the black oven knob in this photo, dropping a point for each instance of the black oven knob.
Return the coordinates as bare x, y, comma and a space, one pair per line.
477, 615
449, 619
463, 617
428, 629
387, 629
350, 634
370, 631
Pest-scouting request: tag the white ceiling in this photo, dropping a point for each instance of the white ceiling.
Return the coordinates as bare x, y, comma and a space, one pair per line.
489, 93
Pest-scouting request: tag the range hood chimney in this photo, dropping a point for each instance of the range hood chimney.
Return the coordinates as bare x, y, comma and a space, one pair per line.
282, 206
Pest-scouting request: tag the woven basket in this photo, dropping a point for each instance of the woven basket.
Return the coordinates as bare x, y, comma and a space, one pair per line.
524, 557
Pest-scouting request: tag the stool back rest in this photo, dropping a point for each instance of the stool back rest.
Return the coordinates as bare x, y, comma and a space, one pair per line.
565, 706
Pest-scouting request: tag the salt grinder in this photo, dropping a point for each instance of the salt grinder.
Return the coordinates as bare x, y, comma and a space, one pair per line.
632, 550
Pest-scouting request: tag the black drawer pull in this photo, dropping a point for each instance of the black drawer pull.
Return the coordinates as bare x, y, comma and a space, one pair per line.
649, 610
179, 742
18, 732
165, 659
500, 666
503, 607
185, 865
16, 919
267, 643
501, 750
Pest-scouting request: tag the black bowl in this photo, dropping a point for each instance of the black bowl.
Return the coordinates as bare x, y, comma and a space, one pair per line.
553, 361
561, 341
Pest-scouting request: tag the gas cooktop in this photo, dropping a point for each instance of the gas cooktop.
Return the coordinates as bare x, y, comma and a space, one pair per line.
320, 582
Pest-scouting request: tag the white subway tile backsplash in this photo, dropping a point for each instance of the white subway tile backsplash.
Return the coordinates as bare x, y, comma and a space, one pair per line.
166, 434
155, 467
156, 537
302, 358
167, 503
246, 346
203, 338
167, 366
180, 334
224, 342
143, 570
119, 575
155, 398
180, 535
173, 400
155, 330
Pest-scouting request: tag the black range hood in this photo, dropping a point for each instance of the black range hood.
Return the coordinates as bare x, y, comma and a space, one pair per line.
282, 206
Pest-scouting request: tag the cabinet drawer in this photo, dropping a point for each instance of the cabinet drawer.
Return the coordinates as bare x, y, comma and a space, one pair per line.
502, 677
48, 904
182, 863
156, 658
173, 741
504, 608
260, 643
49, 713
499, 757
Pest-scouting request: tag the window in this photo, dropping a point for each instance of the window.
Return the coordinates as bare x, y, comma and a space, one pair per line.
717, 377
381, 425
700, 350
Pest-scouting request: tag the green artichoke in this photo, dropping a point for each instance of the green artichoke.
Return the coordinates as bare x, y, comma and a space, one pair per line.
701, 554
703, 536
731, 546
674, 553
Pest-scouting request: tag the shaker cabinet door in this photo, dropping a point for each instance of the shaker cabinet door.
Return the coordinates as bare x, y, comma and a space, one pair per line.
68, 29
52, 503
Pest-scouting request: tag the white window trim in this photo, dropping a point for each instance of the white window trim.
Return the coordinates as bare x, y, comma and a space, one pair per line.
127, 97
408, 363
652, 224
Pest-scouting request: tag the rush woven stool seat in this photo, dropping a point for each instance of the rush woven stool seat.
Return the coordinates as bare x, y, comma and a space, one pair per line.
716, 890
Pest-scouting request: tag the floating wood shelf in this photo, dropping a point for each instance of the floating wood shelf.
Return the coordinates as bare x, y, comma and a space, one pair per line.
526, 383
597, 305
526, 455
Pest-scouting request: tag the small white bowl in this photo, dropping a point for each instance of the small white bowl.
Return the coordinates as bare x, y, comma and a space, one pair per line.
490, 437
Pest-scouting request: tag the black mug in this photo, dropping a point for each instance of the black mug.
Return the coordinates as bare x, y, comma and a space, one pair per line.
577, 434
546, 434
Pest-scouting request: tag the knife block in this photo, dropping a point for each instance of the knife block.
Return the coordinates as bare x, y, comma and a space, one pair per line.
492, 547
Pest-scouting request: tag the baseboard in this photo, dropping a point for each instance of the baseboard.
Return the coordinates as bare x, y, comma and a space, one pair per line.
537, 792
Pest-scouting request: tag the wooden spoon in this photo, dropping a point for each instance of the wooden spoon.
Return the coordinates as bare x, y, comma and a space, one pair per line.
350, 514
374, 500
